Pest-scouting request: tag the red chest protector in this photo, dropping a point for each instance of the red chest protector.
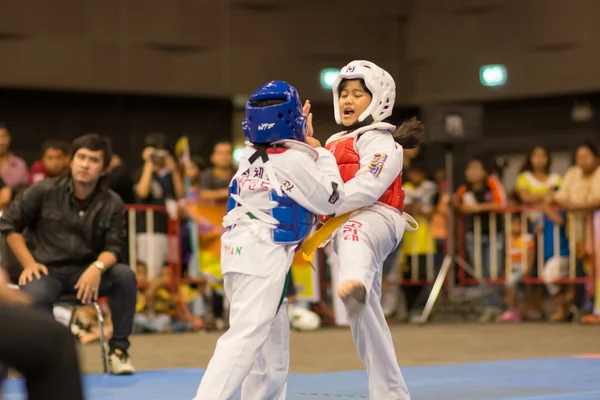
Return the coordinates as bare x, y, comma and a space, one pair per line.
348, 162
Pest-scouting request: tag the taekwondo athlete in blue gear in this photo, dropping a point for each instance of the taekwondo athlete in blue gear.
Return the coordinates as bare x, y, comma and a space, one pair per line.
281, 184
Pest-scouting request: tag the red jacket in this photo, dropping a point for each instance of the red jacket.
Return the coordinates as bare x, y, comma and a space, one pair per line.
37, 172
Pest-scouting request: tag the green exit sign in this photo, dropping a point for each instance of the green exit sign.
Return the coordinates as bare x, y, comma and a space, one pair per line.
492, 75
328, 77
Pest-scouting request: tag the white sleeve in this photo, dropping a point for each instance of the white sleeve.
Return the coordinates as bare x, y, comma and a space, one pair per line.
315, 185
380, 165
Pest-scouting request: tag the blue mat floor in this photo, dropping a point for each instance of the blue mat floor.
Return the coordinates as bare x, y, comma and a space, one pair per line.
537, 379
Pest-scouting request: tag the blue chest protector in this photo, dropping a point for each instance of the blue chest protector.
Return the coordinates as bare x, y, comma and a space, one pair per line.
295, 221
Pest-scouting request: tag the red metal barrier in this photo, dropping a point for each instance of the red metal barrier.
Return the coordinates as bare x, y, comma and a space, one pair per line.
173, 236
499, 272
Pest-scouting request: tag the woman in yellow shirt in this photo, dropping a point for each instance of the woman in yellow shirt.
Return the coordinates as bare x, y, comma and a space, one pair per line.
535, 179
533, 184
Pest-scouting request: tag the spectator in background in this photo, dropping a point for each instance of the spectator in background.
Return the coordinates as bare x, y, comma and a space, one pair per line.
439, 219
579, 195
5, 195
158, 182
439, 177
533, 184
194, 168
535, 179
521, 253
193, 173
478, 199
418, 247
8, 262
556, 260
214, 188
13, 170
214, 182
119, 181
390, 290
75, 229
54, 162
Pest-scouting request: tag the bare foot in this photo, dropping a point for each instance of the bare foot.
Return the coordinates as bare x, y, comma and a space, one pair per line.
354, 289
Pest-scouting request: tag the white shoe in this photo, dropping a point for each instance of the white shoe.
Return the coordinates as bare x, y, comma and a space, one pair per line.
120, 363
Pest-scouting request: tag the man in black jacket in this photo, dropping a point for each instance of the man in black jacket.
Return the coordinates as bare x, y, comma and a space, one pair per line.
75, 230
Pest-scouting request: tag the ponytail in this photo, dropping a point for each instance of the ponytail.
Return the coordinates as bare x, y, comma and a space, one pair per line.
410, 134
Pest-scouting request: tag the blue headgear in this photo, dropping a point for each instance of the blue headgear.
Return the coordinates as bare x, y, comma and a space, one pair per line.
275, 122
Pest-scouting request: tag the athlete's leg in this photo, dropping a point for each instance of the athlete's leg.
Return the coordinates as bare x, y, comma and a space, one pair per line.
362, 245
268, 377
254, 304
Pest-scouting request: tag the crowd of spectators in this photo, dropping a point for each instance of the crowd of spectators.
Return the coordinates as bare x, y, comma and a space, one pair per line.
549, 216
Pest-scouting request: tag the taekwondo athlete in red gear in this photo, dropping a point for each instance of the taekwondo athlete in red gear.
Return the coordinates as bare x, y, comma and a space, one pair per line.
281, 183
370, 162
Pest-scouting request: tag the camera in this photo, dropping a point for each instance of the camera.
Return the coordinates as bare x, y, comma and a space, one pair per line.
159, 154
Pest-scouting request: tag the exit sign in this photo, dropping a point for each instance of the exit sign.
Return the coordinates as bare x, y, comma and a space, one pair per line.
492, 75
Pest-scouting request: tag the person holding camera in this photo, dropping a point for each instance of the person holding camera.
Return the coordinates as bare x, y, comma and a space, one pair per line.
156, 183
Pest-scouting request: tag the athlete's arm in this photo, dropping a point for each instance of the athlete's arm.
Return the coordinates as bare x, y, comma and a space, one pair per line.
315, 185
380, 165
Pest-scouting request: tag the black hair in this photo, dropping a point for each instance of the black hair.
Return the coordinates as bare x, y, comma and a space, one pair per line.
93, 142
60, 145
199, 162
156, 139
528, 166
345, 82
410, 134
588, 144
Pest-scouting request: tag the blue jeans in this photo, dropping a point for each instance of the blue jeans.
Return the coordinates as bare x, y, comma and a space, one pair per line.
491, 299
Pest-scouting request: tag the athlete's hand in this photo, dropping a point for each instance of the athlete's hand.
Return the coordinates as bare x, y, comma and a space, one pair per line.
309, 127
311, 141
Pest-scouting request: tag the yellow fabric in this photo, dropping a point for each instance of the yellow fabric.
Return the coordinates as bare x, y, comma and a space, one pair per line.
187, 294
162, 301
140, 304
526, 180
419, 242
210, 265
320, 236
209, 218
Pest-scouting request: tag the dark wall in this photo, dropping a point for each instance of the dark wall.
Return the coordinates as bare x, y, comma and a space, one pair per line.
433, 48
516, 126
35, 116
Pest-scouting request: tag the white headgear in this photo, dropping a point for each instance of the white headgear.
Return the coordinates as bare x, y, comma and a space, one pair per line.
379, 82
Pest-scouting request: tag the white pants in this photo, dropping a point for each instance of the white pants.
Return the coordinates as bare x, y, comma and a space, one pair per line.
254, 352
362, 244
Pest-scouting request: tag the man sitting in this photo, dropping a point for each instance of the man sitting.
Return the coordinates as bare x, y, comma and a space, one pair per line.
75, 229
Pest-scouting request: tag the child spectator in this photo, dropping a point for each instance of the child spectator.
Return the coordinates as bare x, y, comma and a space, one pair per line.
159, 310
552, 227
521, 253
